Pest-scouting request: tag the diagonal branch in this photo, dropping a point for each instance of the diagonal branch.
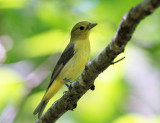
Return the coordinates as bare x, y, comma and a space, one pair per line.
124, 33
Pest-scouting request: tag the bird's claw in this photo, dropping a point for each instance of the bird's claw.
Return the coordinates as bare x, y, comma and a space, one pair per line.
67, 80
64, 92
69, 86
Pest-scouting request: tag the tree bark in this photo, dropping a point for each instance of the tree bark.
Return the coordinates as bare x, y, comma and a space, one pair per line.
86, 81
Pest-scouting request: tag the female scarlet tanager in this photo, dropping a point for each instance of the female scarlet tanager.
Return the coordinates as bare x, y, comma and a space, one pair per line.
71, 63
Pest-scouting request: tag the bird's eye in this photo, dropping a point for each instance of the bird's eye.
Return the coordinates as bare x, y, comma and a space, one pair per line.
81, 27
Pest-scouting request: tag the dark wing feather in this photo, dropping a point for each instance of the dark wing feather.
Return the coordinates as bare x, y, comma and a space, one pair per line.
65, 57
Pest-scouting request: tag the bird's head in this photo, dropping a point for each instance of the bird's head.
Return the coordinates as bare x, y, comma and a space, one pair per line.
81, 30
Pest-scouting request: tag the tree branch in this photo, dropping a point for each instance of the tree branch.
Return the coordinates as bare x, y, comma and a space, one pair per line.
124, 33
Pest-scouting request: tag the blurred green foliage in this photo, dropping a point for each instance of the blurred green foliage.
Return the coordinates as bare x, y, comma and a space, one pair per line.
33, 33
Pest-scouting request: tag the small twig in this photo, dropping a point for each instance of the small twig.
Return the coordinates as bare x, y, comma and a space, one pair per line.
118, 60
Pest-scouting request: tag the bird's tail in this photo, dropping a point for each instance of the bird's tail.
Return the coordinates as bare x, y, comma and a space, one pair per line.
39, 109
51, 91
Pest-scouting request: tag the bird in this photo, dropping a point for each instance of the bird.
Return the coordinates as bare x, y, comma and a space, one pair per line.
70, 64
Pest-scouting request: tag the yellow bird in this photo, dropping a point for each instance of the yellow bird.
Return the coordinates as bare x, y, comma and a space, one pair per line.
71, 63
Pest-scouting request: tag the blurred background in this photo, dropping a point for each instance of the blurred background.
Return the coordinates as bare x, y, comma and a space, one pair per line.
33, 33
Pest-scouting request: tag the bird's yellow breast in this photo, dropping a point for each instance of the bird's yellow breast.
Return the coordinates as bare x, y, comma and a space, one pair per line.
73, 67
77, 63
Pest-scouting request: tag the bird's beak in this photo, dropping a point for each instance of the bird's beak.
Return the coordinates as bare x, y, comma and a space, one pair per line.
91, 25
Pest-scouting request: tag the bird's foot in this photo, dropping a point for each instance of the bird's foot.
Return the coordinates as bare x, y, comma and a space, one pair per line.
67, 80
68, 85
64, 92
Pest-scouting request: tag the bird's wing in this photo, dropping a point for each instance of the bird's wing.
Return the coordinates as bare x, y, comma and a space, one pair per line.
65, 57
